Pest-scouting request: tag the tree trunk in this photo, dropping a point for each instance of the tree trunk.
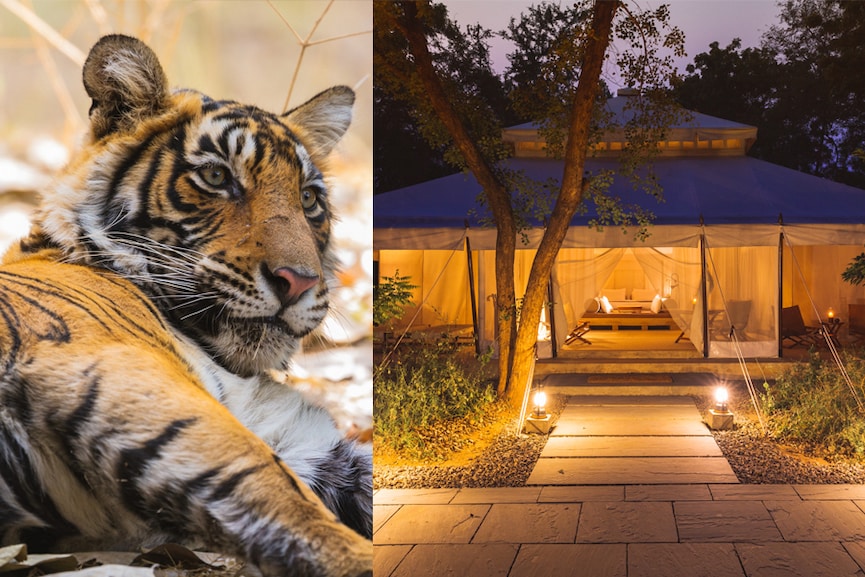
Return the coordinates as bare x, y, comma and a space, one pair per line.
570, 196
517, 344
506, 308
497, 196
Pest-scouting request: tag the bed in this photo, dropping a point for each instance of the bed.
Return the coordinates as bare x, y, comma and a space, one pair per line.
623, 309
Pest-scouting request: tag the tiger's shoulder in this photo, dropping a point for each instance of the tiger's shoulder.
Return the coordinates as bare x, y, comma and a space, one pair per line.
56, 302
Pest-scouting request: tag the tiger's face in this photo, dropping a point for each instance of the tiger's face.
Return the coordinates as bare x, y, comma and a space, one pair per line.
217, 210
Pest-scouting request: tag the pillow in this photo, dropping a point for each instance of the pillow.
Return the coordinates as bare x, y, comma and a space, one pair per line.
615, 294
605, 304
643, 294
656, 304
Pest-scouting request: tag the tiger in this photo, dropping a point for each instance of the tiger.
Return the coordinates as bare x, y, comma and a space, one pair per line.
172, 270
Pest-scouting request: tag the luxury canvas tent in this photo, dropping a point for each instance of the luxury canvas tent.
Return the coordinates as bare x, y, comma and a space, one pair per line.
734, 241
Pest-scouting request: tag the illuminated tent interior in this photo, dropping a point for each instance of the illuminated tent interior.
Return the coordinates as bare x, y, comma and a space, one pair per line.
734, 241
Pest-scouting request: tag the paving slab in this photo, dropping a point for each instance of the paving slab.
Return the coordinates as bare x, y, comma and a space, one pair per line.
683, 560
385, 558
818, 520
496, 495
381, 513
585, 560
640, 401
632, 471
797, 560
627, 522
856, 550
829, 492
431, 524
698, 492
617, 446
529, 523
754, 492
413, 496
581, 494
493, 560
725, 521
629, 420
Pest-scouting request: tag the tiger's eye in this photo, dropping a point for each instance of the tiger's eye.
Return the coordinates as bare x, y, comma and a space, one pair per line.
214, 175
308, 198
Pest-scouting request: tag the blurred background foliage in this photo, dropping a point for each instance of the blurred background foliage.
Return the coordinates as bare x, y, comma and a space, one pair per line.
248, 51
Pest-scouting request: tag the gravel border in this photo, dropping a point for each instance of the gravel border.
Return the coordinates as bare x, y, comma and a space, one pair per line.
509, 460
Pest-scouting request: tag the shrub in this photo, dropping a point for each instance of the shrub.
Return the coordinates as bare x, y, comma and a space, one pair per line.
812, 403
425, 390
390, 298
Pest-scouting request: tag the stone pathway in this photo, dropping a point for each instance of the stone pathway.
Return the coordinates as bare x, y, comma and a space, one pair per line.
631, 441
683, 530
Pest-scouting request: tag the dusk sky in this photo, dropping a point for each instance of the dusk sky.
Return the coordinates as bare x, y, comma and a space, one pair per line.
703, 21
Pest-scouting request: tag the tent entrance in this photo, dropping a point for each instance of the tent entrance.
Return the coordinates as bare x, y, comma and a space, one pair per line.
634, 299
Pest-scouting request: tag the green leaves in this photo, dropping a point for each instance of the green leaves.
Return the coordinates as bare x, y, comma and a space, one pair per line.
429, 401
812, 404
390, 298
855, 271
797, 87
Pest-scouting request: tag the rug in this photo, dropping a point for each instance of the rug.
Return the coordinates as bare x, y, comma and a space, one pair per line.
627, 378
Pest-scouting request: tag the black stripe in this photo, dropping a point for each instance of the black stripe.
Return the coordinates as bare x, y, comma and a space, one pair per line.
36, 243
176, 515
58, 330
70, 430
26, 488
236, 123
288, 476
10, 318
132, 158
88, 303
206, 144
211, 105
142, 219
225, 488
213, 223
134, 462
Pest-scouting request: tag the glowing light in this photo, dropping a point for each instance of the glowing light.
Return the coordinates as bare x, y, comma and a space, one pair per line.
721, 398
831, 313
540, 402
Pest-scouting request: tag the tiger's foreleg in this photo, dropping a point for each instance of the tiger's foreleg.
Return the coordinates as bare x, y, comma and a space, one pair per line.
305, 436
156, 457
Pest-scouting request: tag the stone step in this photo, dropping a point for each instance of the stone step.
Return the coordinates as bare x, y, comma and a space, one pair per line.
630, 440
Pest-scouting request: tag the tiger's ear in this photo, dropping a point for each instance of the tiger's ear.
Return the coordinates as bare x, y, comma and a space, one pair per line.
322, 120
126, 82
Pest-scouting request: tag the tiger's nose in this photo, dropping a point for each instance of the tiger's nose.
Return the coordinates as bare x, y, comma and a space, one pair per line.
290, 284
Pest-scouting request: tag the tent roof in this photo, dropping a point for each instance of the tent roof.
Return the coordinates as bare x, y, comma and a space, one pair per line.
734, 190
690, 126
621, 114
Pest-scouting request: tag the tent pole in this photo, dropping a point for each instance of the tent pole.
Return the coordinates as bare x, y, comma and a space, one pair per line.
551, 309
703, 291
473, 298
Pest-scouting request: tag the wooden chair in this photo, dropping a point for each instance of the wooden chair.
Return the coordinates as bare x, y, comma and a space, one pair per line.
793, 328
578, 333
735, 315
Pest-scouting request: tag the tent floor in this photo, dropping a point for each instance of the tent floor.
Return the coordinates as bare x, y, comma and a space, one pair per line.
604, 342
652, 352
